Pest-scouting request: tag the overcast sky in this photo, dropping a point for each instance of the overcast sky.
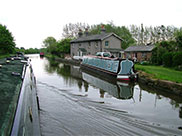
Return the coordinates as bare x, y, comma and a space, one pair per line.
31, 21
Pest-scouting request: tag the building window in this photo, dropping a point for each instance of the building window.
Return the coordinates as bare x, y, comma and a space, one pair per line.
80, 44
144, 54
106, 43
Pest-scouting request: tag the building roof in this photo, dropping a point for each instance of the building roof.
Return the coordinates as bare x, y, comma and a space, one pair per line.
141, 48
97, 37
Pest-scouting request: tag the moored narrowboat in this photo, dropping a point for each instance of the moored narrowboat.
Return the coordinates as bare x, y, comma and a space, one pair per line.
41, 54
121, 69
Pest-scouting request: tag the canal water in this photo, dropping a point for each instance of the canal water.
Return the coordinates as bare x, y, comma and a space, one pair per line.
76, 102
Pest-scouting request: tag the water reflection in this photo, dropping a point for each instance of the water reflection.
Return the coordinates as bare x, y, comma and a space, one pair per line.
144, 98
118, 90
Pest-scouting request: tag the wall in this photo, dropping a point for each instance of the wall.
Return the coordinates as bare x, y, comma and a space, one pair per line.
141, 56
92, 47
114, 43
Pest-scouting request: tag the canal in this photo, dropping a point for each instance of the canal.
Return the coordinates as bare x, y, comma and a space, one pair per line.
75, 102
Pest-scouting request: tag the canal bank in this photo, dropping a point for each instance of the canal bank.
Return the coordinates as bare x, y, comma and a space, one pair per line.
143, 78
157, 84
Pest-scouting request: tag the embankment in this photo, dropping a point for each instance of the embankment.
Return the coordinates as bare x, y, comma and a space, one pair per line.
162, 85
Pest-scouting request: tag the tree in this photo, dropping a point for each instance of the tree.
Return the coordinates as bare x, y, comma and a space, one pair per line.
51, 44
71, 30
7, 44
152, 35
122, 32
64, 45
178, 38
49, 41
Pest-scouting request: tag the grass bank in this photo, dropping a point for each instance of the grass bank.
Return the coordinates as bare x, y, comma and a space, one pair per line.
162, 73
4, 55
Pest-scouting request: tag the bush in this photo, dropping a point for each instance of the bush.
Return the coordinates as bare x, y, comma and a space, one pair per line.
167, 59
157, 54
177, 59
145, 63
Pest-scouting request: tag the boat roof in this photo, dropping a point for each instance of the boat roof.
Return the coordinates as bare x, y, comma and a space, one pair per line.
10, 85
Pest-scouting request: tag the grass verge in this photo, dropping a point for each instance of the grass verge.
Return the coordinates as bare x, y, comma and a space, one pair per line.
4, 55
162, 73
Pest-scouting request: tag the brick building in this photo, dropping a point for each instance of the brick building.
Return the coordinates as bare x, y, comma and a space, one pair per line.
140, 53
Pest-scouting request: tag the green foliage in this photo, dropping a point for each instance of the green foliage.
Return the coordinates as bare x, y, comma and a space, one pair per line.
49, 41
58, 48
7, 43
177, 59
157, 54
167, 59
29, 51
178, 37
122, 32
162, 73
145, 63
64, 45
51, 44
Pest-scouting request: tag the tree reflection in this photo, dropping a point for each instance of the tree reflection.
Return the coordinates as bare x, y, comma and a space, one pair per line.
180, 112
102, 92
51, 66
86, 86
79, 85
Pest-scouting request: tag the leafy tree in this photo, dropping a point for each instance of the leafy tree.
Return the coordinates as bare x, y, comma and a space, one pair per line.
122, 32
49, 41
177, 59
64, 45
168, 59
178, 38
7, 44
51, 44
157, 54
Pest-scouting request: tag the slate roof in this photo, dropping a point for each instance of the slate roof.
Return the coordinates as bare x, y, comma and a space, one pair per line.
97, 37
141, 48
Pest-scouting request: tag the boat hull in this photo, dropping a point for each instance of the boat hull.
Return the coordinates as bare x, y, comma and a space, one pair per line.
119, 69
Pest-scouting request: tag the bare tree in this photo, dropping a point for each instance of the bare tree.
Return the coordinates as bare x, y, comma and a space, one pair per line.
71, 30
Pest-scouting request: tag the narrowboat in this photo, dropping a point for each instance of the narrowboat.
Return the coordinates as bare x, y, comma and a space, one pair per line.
41, 54
18, 97
121, 69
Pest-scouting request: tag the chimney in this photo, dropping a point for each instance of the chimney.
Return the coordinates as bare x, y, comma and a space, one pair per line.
80, 33
103, 30
86, 32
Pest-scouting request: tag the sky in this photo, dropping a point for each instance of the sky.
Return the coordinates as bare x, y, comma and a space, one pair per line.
32, 21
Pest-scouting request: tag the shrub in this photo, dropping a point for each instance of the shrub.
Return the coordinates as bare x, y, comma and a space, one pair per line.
177, 59
167, 59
